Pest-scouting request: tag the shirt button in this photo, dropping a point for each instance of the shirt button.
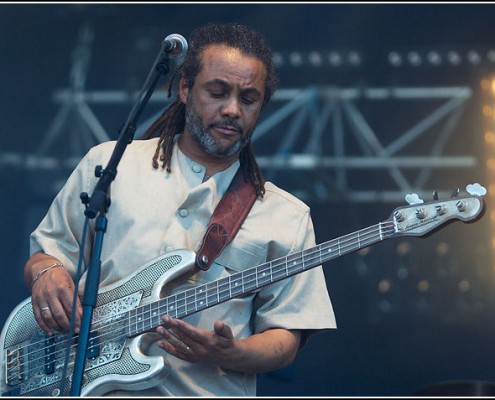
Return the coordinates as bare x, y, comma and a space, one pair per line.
183, 212
168, 249
196, 168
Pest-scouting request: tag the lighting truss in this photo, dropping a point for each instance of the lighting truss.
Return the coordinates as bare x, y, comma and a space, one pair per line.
320, 142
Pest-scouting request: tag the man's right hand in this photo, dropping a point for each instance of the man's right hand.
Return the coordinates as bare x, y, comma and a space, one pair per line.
52, 294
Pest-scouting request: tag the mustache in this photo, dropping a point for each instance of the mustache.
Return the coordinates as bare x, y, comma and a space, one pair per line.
227, 122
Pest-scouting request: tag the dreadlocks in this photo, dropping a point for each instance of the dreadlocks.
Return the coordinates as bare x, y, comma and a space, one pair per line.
172, 120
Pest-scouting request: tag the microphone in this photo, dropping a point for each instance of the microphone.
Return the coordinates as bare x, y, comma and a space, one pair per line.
176, 46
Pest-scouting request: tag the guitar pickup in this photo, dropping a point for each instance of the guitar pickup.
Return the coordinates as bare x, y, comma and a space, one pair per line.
93, 345
49, 355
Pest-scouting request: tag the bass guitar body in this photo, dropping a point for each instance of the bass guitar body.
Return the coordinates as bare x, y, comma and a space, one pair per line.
34, 361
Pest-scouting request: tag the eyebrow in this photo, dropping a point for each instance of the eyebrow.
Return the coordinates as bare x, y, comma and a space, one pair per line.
227, 85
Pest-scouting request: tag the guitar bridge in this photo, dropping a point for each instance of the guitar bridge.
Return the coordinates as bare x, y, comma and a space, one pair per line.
15, 366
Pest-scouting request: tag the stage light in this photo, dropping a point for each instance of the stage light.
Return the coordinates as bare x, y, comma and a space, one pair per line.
315, 59
489, 137
434, 58
334, 58
485, 84
385, 306
473, 57
453, 57
464, 285
296, 59
442, 249
414, 58
394, 59
487, 111
490, 164
384, 286
354, 58
403, 248
402, 273
278, 60
423, 286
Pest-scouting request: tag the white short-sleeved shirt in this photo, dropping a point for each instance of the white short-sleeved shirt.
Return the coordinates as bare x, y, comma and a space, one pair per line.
153, 212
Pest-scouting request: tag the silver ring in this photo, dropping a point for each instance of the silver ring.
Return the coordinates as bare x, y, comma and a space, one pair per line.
45, 309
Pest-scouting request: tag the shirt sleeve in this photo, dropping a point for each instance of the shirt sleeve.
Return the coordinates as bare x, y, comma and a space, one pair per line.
299, 302
60, 231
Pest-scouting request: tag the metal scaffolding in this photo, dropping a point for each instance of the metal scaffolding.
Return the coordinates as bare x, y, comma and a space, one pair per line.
314, 139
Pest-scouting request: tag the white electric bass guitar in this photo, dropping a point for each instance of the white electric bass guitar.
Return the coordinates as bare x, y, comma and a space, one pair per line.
34, 364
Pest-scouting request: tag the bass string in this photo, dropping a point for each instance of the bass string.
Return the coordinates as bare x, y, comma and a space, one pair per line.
366, 236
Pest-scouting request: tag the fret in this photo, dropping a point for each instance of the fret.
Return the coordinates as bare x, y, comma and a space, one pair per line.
189, 301
223, 289
145, 316
168, 308
136, 322
279, 270
212, 293
127, 328
292, 261
249, 281
236, 285
130, 320
218, 291
303, 261
335, 250
201, 298
243, 282
264, 274
173, 307
155, 316
181, 305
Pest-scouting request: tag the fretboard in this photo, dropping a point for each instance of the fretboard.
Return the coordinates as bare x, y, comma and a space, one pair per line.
180, 305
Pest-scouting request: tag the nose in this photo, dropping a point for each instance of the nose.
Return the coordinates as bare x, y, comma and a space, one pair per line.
231, 108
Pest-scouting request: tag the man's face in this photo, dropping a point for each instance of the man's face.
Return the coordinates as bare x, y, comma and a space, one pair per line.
224, 104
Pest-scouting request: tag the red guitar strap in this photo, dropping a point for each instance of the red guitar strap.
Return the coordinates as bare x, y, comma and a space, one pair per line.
226, 220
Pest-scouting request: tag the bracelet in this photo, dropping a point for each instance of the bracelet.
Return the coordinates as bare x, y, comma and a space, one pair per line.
57, 264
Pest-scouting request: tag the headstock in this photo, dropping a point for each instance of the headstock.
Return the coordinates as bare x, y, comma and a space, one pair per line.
421, 218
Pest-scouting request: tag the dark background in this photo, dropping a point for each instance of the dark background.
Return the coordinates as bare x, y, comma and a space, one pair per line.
388, 343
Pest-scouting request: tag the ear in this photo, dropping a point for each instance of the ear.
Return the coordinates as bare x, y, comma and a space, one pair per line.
183, 90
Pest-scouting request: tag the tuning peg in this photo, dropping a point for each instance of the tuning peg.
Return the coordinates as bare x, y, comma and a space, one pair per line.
413, 199
435, 195
455, 192
476, 189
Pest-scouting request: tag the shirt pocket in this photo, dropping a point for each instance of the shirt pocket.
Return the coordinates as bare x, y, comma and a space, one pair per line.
232, 260
237, 259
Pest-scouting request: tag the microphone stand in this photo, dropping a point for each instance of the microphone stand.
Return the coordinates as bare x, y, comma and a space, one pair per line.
99, 203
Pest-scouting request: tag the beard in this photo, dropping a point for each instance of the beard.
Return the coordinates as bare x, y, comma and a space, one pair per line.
202, 136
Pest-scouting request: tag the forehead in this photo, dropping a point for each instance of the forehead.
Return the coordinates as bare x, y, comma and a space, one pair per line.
230, 64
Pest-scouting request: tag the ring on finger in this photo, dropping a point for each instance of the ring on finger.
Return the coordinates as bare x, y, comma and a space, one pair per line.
47, 308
